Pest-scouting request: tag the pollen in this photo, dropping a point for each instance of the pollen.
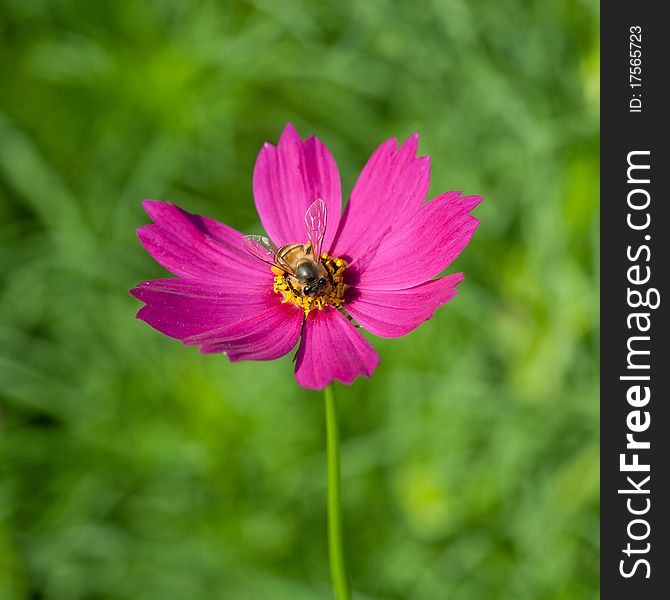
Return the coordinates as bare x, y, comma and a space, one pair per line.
332, 295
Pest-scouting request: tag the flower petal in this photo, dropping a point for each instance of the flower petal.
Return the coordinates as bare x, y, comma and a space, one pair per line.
181, 308
420, 249
194, 246
392, 313
263, 336
391, 187
288, 179
331, 348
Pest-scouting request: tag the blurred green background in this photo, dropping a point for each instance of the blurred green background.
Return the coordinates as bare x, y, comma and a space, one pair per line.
132, 468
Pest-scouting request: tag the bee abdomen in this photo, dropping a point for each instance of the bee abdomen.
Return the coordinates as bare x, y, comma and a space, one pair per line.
285, 252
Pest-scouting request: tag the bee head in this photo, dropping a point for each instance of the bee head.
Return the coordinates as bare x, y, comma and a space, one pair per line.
315, 288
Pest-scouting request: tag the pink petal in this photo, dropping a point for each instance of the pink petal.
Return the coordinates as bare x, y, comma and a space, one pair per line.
391, 187
421, 248
193, 246
331, 348
181, 308
392, 313
263, 336
288, 179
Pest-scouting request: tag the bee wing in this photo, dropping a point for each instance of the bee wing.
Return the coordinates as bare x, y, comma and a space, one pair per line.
316, 219
263, 249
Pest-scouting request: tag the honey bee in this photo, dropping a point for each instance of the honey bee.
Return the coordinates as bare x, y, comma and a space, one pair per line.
300, 262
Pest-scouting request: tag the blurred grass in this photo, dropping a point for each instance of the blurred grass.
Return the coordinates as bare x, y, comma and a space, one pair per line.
134, 469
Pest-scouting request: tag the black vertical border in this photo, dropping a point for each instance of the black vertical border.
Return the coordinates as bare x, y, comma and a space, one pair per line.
622, 132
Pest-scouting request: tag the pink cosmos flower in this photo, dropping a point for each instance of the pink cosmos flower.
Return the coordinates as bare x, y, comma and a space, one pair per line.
379, 258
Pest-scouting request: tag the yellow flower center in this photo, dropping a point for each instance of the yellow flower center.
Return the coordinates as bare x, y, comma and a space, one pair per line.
333, 292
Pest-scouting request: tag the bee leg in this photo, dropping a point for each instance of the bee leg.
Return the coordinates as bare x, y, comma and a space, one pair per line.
296, 292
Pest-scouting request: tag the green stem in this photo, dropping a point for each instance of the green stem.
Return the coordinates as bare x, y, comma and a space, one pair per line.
338, 571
